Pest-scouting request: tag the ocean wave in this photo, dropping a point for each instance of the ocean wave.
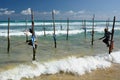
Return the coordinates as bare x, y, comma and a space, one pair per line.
74, 65
38, 33
58, 32
88, 23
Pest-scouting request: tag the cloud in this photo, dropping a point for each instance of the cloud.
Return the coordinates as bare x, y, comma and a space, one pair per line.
9, 12
5, 11
56, 11
81, 12
59, 14
26, 12
49, 13
45, 13
71, 12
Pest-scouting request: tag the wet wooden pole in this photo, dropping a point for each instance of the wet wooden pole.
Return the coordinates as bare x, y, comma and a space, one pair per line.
112, 35
44, 27
92, 30
67, 28
54, 35
26, 32
8, 48
84, 27
61, 24
33, 35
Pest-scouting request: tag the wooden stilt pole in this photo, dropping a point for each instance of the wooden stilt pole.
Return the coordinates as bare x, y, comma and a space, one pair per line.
93, 31
54, 36
112, 35
44, 27
61, 25
8, 48
67, 28
26, 33
33, 35
84, 27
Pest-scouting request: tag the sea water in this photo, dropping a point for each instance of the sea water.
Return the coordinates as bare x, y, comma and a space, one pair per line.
75, 55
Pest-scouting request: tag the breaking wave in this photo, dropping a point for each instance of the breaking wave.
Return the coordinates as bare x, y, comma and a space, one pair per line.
74, 65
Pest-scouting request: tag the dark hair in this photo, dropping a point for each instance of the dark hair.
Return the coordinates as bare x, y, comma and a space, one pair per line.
105, 29
30, 30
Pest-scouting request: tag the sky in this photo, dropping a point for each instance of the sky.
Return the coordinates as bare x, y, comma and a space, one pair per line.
63, 9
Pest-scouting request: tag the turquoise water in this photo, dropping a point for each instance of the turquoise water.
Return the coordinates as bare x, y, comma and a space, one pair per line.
77, 45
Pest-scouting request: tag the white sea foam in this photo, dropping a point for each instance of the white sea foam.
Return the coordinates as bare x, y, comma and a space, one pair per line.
38, 33
57, 23
16, 28
74, 65
18, 32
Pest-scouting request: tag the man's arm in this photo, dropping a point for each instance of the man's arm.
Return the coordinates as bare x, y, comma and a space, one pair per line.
101, 37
